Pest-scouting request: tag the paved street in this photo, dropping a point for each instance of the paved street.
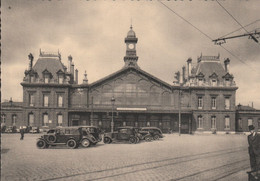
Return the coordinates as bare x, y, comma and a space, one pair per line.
185, 157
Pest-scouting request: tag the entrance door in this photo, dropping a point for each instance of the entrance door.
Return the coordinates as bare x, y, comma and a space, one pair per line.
75, 122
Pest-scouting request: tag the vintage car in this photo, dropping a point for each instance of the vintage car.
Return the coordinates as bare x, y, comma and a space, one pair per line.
70, 136
126, 133
155, 132
10, 129
143, 135
34, 130
94, 131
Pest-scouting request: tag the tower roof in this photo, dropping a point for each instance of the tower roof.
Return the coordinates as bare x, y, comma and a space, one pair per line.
131, 32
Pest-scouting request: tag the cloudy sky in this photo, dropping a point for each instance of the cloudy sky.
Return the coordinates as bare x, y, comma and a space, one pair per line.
93, 33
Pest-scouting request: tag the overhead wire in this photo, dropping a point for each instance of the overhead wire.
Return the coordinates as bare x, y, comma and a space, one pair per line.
205, 34
234, 19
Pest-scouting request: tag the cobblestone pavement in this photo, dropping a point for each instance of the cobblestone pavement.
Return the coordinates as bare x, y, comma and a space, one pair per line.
185, 157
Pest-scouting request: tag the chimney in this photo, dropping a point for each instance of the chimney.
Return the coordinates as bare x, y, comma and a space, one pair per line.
183, 73
85, 80
72, 69
239, 106
30, 56
69, 63
189, 67
76, 76
226, 62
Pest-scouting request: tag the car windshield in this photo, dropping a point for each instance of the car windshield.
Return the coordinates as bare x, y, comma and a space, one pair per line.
51, 131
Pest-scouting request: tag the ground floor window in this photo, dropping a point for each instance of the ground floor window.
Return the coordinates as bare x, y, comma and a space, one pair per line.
213, 122
3, 118
227, 122
31, 119
148, 123
200, 122
60, 119
250, 121
14, 119
45, 119
240, 124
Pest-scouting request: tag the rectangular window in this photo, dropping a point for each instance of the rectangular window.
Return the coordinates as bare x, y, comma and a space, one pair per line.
227, 103
214, 82
3, 118
213, 122
60, 119
250, 121
60, 80
31, 119
227, 82
46, 79
200, 102
14, 117
200, 82
60, 101
45, 100
31, 100
227, 122
213, 103
45, 119
240, 125
200, 122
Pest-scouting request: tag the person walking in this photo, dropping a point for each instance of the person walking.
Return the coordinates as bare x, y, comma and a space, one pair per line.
254, 150
22, 133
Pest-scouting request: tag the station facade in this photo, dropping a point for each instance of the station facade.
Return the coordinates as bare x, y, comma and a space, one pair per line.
202, 99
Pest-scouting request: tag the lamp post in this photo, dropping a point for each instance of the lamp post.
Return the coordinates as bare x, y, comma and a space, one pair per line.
180, 113
112, 122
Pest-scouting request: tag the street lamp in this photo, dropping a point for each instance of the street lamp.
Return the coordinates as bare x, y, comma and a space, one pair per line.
112, 123
179, 112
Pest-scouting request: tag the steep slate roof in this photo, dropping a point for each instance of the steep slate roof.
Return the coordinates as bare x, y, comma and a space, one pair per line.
124, 69
207, 68
52, 64
245, 108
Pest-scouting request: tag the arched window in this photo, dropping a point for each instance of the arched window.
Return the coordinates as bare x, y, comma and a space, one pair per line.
213, 122
227, 122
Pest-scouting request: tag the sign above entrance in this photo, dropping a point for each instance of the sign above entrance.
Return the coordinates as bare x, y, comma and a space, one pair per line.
130, 109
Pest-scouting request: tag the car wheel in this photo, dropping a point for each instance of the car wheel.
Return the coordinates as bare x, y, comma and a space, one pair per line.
51, 138
94, 143
148, 138
41, 144
156, 137
71, 143
85, 143
132, 140
107, 140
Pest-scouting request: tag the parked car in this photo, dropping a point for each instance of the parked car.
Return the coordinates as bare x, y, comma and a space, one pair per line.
143, 135
155, 132
34, 130
10, 129
93, 132
70, 136
126, 133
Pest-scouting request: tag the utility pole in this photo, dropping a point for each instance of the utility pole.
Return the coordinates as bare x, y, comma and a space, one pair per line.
112, 122
91, 119
220, 41
179, 112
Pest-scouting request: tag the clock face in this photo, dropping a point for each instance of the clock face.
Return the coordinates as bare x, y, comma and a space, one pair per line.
131, 46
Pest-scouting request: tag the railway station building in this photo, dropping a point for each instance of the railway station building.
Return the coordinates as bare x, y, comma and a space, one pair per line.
201, 99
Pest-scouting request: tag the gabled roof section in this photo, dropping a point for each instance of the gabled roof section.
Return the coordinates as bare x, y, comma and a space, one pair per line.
228, 75
214, 75
201, 75
60, 72
132, 68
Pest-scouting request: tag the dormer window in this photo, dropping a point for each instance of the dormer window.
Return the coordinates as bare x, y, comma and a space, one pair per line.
60, 75
60, 79
214, 82
46, 76
46, 79
200, 82
227, 82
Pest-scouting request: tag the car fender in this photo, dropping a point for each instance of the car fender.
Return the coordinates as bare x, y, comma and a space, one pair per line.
91, 138
108, 136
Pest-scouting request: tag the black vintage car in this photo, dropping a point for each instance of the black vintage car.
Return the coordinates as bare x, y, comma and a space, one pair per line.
70, 136
143, 135
155, 132
126, 133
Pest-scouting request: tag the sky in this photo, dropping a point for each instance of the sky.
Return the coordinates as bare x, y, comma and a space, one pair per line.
93, 33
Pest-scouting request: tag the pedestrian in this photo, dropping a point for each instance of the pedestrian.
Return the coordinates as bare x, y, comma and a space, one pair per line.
22, 133
254, 150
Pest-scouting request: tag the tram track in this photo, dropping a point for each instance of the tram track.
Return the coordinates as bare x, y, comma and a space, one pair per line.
128, 169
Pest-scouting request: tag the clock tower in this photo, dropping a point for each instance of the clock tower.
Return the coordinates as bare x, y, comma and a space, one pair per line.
130, 41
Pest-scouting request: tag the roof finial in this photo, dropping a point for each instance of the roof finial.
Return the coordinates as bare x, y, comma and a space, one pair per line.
131, 24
